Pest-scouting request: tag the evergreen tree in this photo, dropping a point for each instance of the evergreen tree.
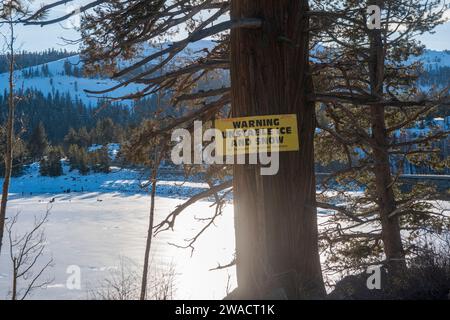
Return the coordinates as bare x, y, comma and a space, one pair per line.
78, 158
100, 160
269, 75
80, 138
20, 155
37, 142
105, 132
71, 138
367, 87
67, 68
51, 165
84, 138
26, 59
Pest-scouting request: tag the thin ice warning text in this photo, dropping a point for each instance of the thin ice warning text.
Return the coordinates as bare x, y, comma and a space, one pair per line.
248, 135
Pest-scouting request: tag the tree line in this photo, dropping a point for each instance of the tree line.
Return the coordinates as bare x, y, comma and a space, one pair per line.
25, 59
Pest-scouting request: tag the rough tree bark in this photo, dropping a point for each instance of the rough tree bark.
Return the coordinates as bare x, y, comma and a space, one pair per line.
391, 236
392, 241
275, 216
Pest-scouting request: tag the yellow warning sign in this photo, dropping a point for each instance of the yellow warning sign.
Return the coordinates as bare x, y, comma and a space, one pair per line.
255, 134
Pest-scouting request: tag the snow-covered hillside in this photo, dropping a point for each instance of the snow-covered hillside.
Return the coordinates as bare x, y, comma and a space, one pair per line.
422, 129
57, 80
433, 59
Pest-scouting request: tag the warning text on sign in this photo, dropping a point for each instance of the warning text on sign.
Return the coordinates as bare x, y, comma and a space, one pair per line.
248, 135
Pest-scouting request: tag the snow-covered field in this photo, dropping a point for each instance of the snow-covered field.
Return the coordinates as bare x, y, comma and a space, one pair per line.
100, 220
121, 180
95, 231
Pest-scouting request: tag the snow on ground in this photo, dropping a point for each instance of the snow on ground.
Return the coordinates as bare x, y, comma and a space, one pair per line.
104, 219
99, 219
122, 180
95, 235
433, 59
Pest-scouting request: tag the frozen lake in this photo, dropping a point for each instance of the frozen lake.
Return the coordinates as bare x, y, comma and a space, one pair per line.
104, 229
96, 231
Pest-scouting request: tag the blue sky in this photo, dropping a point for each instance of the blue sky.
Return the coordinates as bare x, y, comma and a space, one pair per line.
439, 40
37, 38
34, 38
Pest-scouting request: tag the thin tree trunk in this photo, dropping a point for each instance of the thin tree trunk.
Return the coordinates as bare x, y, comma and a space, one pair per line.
275, 216
149, 234
14, 284
157, 161
9, 139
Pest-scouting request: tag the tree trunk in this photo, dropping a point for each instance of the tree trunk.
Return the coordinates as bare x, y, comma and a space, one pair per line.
14, 284
391, 236
148, 244
275, 216
154, 179
9, 139
392, 241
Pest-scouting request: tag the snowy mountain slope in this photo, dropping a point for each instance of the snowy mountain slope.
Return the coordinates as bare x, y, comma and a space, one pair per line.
432, 59
57, 80
422, 130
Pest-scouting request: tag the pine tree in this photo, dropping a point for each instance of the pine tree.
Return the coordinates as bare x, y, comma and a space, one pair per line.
71, 138
20, 155
105, 132
368, 89
67, 68
276, 227
80, 138
37, 143
51, 165
83, 162
100, 160
290, 241
78, 159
